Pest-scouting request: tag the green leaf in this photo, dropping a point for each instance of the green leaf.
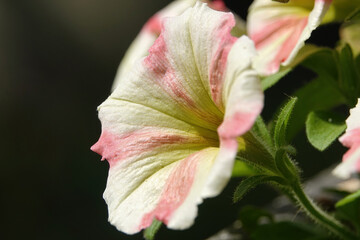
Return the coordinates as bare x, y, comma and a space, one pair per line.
323, 128
288, 230
284, 164
149, 233
338, 69
249, 183
269, 81
317, 95
349, 209
251, 217
281, 123
259, 129
324, 63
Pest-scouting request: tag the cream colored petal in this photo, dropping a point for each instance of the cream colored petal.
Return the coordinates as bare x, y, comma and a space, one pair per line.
280, 30
140, 46
243, 98
151, 31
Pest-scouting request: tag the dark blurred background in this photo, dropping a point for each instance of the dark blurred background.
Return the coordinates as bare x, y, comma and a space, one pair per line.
58, 60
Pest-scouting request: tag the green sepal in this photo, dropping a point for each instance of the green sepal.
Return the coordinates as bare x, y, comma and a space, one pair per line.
251, 182
150, 232
260, 130
256, 152
281, 123
285, 166
323, 128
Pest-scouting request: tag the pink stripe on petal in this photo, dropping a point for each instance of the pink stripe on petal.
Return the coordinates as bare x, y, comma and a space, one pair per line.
271, 31
350, 153
293, 27
115, 148
238, 124
218, 62
176, 190
288, 46
166, 78
352, 156
351, 139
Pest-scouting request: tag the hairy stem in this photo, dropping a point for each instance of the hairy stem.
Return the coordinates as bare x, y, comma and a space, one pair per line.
320, 216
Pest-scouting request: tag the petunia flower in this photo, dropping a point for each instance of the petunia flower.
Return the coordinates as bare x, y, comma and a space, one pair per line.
280, 30
351, 139
170, 130
151, 30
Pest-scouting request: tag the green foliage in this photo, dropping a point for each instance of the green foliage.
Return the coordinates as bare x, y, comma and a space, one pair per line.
269, 81
251, 182
262, 134
287, 230
319, 94
150, 232
251, 217
354, 15
323, 63
281, 123
349, 209
257, 149
323, 128
339, 70
285, 166
337, 83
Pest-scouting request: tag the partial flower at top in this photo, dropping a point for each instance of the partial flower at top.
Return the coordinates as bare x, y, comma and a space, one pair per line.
151, 31
280, 30
351, 139
170, 131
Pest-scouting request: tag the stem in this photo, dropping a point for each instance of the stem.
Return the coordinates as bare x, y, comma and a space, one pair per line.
320, 216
